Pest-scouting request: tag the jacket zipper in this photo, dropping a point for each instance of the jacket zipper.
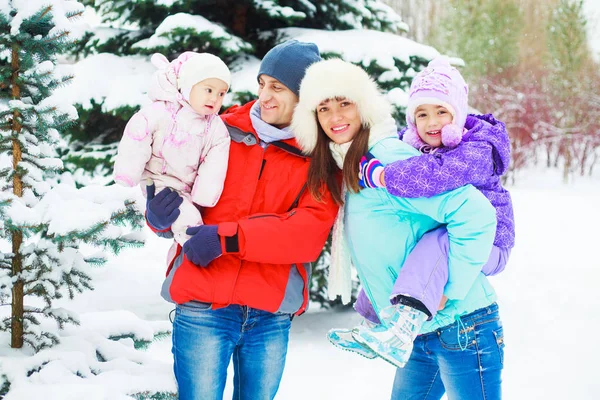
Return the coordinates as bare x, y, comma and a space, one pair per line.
289, 214
262, 216
264, 161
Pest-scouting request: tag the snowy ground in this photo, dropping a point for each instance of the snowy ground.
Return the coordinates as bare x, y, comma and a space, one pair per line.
547, 300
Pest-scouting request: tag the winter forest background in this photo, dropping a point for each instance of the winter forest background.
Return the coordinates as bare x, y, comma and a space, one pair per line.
81, 317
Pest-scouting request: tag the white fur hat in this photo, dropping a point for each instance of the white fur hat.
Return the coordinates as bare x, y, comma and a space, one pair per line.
328, 79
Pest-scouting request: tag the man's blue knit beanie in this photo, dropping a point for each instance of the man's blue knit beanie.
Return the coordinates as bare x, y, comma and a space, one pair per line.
287, 62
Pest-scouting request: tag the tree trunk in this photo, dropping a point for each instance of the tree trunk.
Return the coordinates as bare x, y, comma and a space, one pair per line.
17, 237
593, 163
584, 157
240, 19
238, 15
568, 161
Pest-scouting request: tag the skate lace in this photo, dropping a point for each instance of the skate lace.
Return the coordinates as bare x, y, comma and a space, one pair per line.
404, 330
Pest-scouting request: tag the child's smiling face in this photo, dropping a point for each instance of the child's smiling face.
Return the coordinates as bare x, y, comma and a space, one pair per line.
430, 119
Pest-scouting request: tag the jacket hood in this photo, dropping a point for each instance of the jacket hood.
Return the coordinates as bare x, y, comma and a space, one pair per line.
164, 82
336, 78
487, 128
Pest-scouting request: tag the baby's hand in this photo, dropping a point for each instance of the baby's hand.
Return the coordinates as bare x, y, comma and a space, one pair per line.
163, 209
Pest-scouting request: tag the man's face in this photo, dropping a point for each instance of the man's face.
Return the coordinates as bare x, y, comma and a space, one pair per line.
277, 102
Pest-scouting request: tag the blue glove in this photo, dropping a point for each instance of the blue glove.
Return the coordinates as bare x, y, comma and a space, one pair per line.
369, 175
163, 209
204, 245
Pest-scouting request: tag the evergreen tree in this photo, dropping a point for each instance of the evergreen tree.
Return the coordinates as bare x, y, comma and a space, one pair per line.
484, 33
567, 40
571, 84
246, 19
45, 218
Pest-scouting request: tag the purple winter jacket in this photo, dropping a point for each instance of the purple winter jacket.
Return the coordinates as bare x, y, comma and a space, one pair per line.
480, 159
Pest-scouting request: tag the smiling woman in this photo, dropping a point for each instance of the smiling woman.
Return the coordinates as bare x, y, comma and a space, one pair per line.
341, 115
334, 120
339, 119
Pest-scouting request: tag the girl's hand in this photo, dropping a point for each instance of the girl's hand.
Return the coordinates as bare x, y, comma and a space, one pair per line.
370, 174
443, 302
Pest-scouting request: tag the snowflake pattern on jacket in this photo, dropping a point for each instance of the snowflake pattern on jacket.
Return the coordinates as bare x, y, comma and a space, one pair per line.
481, 158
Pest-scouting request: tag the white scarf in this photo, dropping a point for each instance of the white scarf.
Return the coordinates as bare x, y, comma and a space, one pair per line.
339, 280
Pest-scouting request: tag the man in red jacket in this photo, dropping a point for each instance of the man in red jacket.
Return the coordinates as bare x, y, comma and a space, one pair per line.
242, 276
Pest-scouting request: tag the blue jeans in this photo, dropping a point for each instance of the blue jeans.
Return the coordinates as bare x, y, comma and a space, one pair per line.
205, 340
464, 359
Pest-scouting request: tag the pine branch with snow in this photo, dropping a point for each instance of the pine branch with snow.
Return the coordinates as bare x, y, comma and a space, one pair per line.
193, 33
103, 347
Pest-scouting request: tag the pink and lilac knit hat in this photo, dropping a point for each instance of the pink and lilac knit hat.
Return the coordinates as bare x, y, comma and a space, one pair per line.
443, 85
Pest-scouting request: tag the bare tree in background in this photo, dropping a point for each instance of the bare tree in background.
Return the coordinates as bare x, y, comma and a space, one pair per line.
420, 15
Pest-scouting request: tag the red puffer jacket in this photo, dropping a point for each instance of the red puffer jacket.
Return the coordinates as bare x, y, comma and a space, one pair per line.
279, 226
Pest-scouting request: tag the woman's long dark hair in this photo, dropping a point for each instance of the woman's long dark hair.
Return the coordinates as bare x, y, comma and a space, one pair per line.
323, 172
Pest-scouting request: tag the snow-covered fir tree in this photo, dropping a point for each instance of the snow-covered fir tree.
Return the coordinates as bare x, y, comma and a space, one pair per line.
46, 220
573, 87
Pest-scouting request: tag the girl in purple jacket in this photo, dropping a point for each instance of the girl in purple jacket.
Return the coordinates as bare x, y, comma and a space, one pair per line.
458, 149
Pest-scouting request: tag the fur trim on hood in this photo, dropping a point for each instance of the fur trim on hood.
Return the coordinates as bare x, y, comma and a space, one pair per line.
335, 78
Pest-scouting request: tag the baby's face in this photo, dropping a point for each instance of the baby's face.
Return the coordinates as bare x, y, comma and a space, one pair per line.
430, 119
206, 96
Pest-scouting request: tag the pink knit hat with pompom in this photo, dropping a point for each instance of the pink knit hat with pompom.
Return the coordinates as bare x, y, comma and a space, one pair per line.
443, 85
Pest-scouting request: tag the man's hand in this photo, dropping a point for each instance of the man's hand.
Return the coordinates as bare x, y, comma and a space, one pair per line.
163, 209
204, 245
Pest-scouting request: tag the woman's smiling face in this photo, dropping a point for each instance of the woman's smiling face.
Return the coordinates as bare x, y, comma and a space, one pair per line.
339, 119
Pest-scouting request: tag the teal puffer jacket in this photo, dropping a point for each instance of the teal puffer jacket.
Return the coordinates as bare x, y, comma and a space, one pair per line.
382, 229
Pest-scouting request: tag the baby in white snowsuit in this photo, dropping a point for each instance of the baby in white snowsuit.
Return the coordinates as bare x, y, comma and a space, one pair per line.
179, 141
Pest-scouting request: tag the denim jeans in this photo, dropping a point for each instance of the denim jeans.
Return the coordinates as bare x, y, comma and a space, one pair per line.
205, 340
464, 359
